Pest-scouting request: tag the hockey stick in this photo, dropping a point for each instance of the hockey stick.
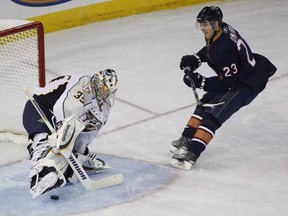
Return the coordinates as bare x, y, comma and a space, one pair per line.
198, 102
72, 160
194, 91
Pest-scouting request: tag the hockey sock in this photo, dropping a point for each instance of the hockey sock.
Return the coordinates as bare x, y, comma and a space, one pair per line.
192, 126
203, 135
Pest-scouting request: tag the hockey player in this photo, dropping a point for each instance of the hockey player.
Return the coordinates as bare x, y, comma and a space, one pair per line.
89, 99
240, 76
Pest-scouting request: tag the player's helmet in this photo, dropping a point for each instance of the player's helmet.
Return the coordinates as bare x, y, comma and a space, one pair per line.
210, 13
105, 84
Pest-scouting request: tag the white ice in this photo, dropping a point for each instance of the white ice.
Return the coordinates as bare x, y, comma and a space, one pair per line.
244, 171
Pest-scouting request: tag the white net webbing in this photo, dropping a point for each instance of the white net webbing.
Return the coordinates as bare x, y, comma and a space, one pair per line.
19, 67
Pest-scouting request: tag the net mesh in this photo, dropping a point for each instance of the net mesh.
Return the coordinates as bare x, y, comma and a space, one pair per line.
19, 68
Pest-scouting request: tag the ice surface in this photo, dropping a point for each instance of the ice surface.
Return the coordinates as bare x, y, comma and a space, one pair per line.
141, 178
244, 170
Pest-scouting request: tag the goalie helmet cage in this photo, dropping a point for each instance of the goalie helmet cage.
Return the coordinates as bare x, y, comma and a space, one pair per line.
22, 64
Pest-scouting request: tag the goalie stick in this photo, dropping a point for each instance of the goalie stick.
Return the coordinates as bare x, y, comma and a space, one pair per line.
83, 177
198, 102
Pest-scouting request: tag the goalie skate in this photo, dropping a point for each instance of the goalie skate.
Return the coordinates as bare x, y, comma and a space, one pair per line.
93, 165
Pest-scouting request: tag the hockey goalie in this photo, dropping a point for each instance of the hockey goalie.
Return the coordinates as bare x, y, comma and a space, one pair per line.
77, 107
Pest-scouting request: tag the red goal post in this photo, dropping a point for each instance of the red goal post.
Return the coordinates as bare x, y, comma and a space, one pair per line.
22, 64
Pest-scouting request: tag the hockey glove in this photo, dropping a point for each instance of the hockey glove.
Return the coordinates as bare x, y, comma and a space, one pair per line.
199, 80
191, 61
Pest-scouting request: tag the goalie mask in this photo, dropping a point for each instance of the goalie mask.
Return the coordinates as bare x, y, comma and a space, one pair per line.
105, 84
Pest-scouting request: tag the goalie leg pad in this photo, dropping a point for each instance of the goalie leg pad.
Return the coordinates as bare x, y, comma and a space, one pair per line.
47, 167
45, 176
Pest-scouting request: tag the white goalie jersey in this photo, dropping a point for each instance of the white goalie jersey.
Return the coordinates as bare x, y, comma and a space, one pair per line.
78, 106
74, 95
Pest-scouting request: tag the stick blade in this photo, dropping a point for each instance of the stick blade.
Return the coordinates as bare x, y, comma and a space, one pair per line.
104, 182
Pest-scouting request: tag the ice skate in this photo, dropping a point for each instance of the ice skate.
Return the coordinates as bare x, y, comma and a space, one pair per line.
93, 165
179, 146
184, 161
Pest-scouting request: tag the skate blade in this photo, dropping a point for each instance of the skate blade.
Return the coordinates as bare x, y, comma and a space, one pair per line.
183, 165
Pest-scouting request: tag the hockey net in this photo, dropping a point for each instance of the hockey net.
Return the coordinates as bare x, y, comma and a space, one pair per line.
22, 64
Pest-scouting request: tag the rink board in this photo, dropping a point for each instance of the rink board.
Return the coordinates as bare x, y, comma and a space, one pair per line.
140, 178
104, 10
